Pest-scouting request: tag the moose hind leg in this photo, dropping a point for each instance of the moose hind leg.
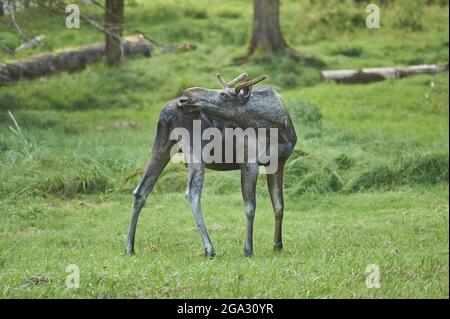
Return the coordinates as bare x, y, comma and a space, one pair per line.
159, 158
193, 196
275, 185
138, 203
249, 177
140, 196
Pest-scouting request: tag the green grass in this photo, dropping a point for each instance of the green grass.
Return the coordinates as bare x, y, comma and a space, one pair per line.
329, 241
367, 183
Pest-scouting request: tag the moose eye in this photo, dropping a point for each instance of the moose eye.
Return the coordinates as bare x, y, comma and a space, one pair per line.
224, 95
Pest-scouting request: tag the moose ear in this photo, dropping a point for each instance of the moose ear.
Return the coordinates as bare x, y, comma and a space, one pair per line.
244, 94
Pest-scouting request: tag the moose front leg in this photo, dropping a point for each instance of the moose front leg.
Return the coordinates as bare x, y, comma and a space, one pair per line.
249, 177
193, 195
275, 184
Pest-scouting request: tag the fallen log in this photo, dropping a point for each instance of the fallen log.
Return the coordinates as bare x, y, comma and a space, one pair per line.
69, 61
367, 75
31, 43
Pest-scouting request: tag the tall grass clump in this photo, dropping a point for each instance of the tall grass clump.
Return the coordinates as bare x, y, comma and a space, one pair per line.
70, 176
415, 169
172, 180
304, 173
19, 144
377, 176
59, 176
424, 169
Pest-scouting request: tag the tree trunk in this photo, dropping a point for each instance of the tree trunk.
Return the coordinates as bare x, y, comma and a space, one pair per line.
114, 19
2, 12
267, 36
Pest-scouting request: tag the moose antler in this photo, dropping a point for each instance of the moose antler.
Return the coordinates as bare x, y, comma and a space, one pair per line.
249, 83
232, 83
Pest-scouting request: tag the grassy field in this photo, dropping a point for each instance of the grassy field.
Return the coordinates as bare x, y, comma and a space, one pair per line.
367, 183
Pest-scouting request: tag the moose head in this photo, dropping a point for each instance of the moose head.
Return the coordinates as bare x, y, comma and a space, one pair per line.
231, 95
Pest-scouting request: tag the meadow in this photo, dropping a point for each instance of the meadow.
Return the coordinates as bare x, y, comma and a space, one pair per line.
366, 185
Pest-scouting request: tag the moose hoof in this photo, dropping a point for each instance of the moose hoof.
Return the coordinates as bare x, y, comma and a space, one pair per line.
278, 246
248, 252
129, 250
210, 253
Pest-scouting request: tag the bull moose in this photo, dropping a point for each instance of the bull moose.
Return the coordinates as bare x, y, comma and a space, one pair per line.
235, 105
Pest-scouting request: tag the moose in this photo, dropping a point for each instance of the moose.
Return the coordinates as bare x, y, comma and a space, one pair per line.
235, 105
